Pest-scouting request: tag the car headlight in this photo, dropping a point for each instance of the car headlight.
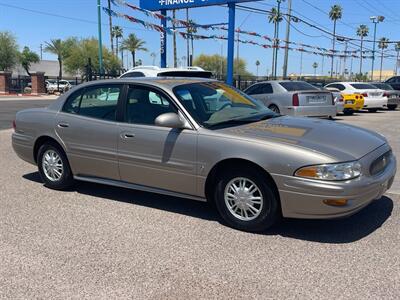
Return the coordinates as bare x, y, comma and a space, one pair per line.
332, 172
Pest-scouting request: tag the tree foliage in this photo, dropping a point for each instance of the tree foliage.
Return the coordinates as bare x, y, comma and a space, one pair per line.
61, 49
133, 44
218, 65
81, 51
8, 51
28, 57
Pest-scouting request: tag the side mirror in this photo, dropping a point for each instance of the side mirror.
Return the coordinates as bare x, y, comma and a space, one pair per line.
170, 120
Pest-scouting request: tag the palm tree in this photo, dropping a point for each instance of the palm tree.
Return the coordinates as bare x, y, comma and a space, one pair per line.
275, 17
335, 14
397, 48
257, 65
315, 66
111, 27
362, 32
383, 44
174, 39
192, 29
133, 44
59, 48
153, 56
117, 33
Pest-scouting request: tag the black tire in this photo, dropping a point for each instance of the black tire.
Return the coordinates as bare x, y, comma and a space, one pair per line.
66, 179
392, 106
270, 212
372, 110
348, 112
274, 108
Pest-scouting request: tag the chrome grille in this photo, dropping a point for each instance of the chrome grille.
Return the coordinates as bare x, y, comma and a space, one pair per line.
380, 163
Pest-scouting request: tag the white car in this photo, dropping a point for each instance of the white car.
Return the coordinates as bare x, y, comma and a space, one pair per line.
61, 86
374, 98
154, 71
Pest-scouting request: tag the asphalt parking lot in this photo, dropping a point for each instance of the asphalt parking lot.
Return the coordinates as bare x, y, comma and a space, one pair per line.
102, 242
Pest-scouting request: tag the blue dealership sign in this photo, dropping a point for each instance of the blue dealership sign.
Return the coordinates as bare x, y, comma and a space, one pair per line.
177, 4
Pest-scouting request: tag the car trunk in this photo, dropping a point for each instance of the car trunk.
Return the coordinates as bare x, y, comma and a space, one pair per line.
313, 98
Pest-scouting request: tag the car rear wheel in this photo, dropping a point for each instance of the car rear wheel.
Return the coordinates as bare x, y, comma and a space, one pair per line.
392, 106
246, 200
53, 167
274, 108
372, 110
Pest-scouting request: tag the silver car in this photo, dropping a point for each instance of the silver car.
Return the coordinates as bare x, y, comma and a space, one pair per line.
392, 95
204, 140
294, 98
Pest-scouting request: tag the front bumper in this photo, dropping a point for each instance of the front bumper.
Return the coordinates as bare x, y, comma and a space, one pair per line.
304, 198
312, 111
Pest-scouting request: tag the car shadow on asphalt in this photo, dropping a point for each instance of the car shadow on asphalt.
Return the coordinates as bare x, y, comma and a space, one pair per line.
335, 231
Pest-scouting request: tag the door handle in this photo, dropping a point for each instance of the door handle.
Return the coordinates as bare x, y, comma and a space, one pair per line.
63, 125
128, 135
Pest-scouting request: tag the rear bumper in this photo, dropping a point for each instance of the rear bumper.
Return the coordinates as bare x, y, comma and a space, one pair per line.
304, 198
22, 146
375, 102
393, 101
312, 111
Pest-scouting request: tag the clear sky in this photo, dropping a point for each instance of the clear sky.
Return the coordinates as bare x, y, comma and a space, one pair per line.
35, 21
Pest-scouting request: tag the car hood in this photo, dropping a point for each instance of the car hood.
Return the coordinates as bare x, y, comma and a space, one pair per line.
338, 141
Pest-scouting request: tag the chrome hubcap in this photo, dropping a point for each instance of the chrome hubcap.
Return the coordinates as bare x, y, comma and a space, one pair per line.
243, 199
52, 165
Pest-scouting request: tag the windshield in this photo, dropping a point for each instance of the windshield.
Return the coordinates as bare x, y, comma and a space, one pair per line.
363, 86
215, 103
292, 86
383, 86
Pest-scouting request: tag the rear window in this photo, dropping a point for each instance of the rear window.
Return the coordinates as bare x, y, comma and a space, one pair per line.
363, 86
132, 75
292, 86
383, 86
198, 74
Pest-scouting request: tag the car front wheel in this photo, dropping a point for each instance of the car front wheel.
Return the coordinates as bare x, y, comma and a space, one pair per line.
246, 200
53, 167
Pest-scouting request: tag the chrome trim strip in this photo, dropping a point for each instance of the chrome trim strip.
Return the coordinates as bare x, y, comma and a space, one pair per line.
132, 186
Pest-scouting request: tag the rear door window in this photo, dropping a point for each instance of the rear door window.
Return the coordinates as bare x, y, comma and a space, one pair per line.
98, 102
362, 86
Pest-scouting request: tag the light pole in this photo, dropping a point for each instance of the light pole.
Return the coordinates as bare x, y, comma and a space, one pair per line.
286, 58
100, 41
277, 38
375, 20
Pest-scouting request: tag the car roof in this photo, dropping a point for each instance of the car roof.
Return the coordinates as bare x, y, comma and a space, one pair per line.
163, 82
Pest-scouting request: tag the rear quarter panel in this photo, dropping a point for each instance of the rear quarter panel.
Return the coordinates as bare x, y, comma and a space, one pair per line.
32, 124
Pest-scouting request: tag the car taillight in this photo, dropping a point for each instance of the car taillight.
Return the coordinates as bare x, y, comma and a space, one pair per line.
385, 95
340, 99
356, 96
364, 94
14, 125
295, 100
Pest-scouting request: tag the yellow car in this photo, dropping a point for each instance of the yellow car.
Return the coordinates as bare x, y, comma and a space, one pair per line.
352, 103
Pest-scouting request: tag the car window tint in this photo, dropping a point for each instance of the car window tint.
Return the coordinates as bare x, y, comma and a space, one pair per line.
382, 86
363, 86
72, 104
98, 102
145, 105
341, 87
132, 75
292, 86
266, 88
